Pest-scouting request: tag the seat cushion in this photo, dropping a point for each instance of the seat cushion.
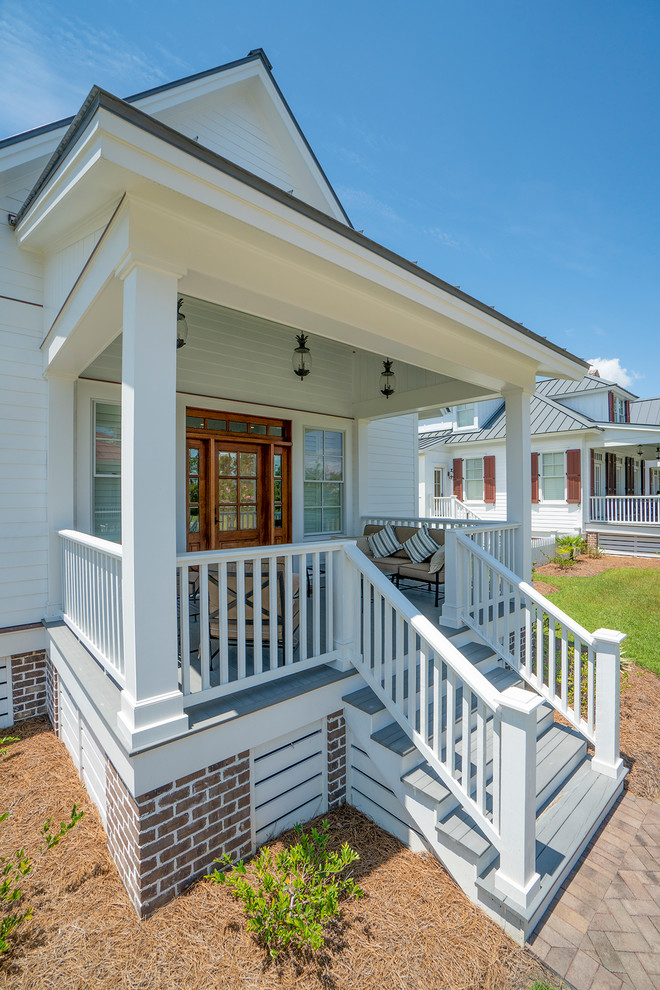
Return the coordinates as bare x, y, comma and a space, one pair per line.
419, 572
390, 565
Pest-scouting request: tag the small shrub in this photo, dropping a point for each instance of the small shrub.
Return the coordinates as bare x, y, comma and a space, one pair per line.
290, 897
572, 546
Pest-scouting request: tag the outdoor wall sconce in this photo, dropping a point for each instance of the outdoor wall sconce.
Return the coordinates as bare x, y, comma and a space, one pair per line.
181, 326
640, 452
302, 359
387, 379
450, 473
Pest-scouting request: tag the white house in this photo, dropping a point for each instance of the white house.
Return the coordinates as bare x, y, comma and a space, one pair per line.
595, 463
181, 590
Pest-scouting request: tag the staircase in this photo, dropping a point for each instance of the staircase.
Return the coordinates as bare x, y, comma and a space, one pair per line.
391, 782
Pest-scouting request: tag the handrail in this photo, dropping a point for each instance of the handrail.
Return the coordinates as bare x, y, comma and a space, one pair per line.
434, 522
436, 640
92, 542
528, 590
247, 553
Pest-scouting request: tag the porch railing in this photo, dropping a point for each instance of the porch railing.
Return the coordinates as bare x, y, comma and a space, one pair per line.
451, 507
91, 589
250, 616
464, 728
638, 510
433, 522
573, 669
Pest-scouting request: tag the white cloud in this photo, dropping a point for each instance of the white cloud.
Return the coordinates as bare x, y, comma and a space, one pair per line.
361, 201
442, 237
611, 370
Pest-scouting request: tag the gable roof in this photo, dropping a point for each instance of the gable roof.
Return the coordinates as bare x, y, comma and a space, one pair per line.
100, 99
589, 383
546, 415
256, 55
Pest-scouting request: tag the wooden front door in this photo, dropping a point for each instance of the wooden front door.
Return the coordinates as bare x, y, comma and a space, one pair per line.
238, 492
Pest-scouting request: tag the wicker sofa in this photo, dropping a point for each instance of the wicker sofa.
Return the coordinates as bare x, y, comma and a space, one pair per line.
399, 566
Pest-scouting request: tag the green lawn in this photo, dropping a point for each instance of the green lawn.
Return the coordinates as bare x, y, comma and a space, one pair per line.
625, 599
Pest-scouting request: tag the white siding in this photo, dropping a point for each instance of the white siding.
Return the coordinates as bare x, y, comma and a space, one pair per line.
84, 748
64, 266
392, 466
593, 405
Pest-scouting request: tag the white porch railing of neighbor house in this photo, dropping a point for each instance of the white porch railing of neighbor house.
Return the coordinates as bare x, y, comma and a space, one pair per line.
91, 589
451, 507
461, 725
637, 510
249, 616
573, 669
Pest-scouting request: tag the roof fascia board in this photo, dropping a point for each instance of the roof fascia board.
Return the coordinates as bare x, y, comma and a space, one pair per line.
519, 339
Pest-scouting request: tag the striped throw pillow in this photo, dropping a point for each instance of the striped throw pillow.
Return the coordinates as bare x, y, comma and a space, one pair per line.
384, 543
420, 546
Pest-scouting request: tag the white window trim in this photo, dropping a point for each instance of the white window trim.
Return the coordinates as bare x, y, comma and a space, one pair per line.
342, 521
473, 501
469, 426
542, 498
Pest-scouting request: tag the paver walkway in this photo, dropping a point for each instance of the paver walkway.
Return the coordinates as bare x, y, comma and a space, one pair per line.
602, 932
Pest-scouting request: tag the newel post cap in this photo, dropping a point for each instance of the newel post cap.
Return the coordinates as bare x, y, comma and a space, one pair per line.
610, 636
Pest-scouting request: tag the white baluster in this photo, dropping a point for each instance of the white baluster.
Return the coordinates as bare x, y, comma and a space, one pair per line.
204, 645
257, 617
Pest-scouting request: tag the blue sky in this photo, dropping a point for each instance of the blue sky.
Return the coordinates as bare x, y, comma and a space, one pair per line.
512, 147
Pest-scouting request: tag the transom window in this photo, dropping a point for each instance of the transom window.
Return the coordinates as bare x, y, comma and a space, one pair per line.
465, 416
235, 425
106, 478
553, 477
474, 479
324, 481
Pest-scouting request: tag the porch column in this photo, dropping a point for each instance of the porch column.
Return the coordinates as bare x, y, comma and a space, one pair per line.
152, 704
61, 429
519, 474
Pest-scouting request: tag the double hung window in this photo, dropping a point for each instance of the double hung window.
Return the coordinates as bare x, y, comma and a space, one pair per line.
324, 482
553, 477
474, 479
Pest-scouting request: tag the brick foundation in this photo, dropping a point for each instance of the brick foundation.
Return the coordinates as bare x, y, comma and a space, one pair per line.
28, 684
166, 838
336, 759
52, 696
592, 541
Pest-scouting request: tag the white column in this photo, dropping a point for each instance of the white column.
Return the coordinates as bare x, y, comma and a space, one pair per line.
152, 705
453, 606
517, 877
61, 434
607, 759
519, 475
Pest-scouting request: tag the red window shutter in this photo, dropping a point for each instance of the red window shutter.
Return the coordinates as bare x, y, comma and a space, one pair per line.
593, 473
573, 479
610, 474
489, 479
642, 468
627, 411
610, 396
535, 477
630, 476
458, 477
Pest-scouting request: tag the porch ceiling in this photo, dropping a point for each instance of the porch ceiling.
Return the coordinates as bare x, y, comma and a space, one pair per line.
256, 250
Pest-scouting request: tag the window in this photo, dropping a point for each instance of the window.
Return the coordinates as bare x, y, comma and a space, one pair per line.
474, 479
553, 477
438, 479
106, 480
324, 481
620, 477
619, 410
464, 416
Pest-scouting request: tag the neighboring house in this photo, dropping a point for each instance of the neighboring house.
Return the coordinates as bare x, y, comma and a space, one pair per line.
595, 463
180, 587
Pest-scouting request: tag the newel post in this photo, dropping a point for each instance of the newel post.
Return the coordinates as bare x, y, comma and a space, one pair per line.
608, 697
517, 877
346, 611
454, 604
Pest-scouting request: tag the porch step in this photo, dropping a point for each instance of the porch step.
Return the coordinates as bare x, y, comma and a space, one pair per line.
564, 827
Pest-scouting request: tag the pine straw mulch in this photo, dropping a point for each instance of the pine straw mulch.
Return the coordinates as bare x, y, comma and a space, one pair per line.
640, 730
414, 928
586, 566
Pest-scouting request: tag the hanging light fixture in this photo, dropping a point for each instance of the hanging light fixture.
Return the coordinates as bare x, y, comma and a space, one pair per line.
387, 379
640, 452
302, 358
181, 326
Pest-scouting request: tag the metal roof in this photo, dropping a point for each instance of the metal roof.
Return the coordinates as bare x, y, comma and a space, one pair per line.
431, 437
589, 383
547, 416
